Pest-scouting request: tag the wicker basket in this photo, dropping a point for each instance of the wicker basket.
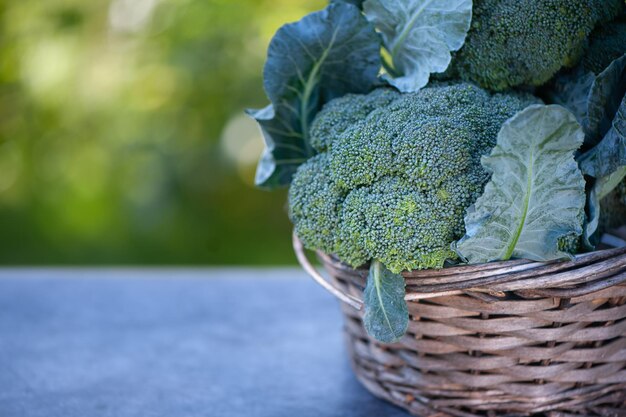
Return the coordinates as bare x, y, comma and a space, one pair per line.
515, 338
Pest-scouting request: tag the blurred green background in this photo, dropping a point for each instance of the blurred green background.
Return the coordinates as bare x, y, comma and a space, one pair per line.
122, 137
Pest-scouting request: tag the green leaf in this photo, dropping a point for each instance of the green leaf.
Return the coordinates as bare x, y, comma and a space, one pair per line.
599, 103
418, 36
610, 154
386, 314
280, 159
323, 56
606, 184
600, 189
592, 220
571, 90
606, 161
536, 194
605, 100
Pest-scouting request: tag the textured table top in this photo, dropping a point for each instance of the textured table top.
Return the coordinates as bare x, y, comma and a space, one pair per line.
175, 343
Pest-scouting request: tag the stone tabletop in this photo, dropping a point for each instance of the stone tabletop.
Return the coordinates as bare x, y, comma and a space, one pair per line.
174, 343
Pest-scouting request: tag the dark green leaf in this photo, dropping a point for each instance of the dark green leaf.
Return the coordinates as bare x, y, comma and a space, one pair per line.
610, 154
600, 189
571, 90
536, 194
606, 120
323, 56
599, 103
386, 315
276, 135
592, 219
605, 99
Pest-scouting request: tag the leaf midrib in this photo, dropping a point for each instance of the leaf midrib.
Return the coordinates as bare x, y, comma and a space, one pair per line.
407, 29
516, 236
308, 90
377, 286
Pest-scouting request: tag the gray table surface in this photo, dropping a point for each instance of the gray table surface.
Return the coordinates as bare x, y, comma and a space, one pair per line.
175, 343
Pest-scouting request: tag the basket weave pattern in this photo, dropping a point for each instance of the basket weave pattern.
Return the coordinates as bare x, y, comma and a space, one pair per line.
515, 338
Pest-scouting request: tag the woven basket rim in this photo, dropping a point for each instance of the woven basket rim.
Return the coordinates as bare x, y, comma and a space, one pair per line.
584, 274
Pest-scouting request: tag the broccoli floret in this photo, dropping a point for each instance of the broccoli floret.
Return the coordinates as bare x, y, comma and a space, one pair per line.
606, 44
525, 42
314, 202
314, 207
361, 155
339, 116
395, 181
569, 243
399, 225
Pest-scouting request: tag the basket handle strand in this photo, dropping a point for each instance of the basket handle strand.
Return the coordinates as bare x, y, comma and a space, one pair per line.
310, 269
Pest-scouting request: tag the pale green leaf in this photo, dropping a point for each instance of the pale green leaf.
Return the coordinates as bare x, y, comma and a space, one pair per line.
418, 36
386, 315
536, 194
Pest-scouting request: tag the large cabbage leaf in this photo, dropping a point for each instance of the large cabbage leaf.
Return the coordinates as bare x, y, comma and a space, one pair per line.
323, 56
418, 36
386, 315
536, 195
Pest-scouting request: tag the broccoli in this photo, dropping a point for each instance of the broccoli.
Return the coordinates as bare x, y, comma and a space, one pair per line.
314, 206
397, 172
525, 42
338, 117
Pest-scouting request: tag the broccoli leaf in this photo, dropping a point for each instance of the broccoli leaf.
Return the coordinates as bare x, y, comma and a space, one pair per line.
386, 314
610, 154
280, 159
418, 36
606, 161
572, 90
323, 56
600, 189
599, 103
605, 100
536, 194
592, 219
606, 184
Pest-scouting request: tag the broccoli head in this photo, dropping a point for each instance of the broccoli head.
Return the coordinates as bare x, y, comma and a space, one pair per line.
396, 175
525, 42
